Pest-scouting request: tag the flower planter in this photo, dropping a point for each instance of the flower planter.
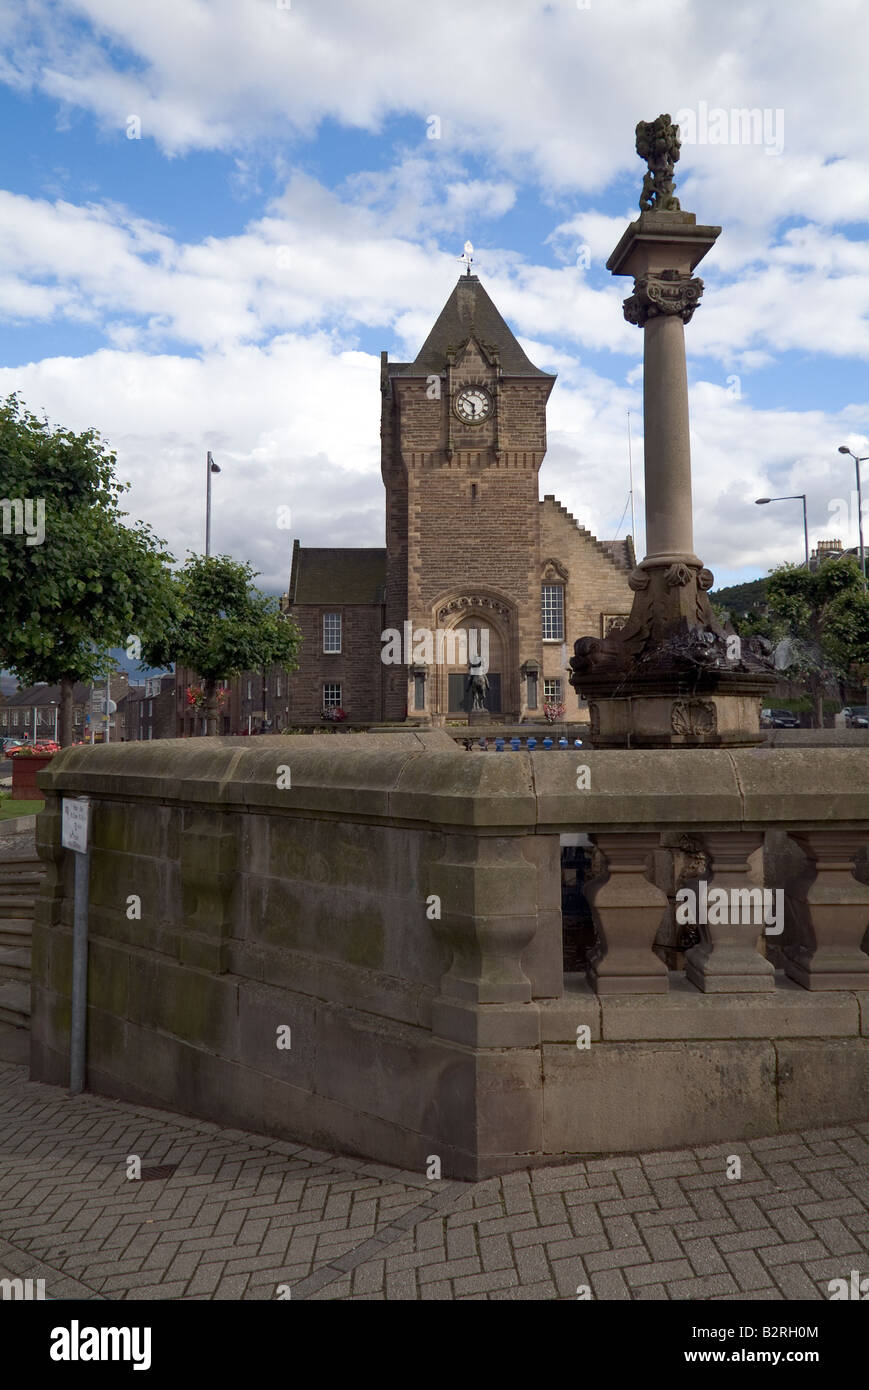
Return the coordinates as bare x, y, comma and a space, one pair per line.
24, 770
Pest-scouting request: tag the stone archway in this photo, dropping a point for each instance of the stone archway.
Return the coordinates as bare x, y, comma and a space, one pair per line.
456, 617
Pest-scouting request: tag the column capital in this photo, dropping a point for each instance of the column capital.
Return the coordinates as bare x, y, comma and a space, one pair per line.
663, 292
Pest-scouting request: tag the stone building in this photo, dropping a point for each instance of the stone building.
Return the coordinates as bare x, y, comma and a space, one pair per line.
470, 547
150, 710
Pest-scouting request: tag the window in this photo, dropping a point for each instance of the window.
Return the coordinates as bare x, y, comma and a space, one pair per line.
473, 492
553, 612
418, 690
277, 687
331, 695
552, 692
331, 632
15, 719
249, 689
531, 690
150, 708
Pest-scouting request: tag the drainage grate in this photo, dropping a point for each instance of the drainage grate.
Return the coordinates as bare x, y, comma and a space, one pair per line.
163, 1170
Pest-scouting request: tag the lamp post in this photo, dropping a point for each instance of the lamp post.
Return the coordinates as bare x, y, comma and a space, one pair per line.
843, 449
210, 467
795, 497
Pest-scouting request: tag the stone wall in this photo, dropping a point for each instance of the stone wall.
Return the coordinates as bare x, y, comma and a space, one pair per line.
224, 907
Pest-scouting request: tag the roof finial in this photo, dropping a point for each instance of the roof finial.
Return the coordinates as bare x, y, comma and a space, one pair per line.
467, 257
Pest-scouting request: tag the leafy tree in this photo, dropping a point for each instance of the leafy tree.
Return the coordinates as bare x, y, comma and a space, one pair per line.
826, 618
88, 581
223, 625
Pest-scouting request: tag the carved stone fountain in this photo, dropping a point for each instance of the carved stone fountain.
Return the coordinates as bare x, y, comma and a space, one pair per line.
670, 677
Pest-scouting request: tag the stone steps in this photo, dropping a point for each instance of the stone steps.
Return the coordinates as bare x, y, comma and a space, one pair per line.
15, 1003
15, 963
16, 905
15, 931
20, 878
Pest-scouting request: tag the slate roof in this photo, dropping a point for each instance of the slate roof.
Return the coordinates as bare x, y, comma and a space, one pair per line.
337, 575
46, 695
469, 312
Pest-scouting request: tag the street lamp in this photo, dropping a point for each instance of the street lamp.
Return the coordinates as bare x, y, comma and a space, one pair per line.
794, 497
843, 449
210, 467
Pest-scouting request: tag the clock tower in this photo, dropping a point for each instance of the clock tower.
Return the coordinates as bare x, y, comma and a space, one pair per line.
463, 433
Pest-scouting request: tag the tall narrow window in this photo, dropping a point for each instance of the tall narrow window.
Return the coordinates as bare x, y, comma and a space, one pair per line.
473, 492
553, 612
331, 632
418, 690
277, 687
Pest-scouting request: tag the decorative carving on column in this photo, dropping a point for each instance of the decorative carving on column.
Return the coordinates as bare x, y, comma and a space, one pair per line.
727, 960
828, 913
667, 292
693, 717
627, 909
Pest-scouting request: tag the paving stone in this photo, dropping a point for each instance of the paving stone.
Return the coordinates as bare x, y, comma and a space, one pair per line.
243, 1214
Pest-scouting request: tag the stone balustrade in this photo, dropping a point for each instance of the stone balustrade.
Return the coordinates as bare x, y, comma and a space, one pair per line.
397, 905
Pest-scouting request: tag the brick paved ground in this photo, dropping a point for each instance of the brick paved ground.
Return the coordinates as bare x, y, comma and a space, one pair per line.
242, 1214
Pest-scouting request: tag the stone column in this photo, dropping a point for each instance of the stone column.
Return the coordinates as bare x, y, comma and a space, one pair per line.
627, 910
727, 960
669, 520
829, 913
660, 250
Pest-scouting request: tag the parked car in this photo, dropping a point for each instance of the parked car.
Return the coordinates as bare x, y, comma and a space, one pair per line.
783, 719
857, 717
7, 742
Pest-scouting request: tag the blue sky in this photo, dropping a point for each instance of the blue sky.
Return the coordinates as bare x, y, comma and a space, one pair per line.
227, 279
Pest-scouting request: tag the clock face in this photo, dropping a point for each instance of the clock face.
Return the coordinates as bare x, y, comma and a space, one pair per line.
473, 404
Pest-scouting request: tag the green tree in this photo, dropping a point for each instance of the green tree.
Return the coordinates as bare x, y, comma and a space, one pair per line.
223, 625
75, 581
826, 618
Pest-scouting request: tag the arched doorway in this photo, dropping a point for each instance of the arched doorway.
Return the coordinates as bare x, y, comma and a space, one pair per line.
482, 626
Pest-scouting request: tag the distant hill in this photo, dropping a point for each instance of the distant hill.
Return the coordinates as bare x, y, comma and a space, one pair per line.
742, 598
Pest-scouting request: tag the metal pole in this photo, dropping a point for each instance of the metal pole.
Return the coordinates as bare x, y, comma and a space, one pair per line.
108, 698
857, 463
208, 503
35, 738
78, 1013
806, 530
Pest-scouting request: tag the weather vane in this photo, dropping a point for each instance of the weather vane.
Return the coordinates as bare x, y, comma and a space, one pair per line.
467, 257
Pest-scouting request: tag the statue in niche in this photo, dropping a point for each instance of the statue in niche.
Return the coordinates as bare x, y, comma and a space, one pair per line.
658, 144
477, 685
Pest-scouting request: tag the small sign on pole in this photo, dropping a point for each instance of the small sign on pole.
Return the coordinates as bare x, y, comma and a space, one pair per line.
75, 818
75, 835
